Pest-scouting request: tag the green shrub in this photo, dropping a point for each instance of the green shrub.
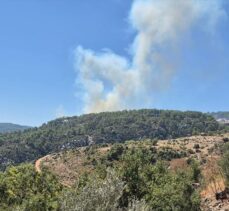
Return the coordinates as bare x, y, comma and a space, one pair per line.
22, 186
99, 195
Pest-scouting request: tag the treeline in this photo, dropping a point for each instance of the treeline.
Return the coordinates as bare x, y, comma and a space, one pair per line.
108, 127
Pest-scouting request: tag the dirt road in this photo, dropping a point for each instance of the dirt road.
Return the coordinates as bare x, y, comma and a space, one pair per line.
39, 161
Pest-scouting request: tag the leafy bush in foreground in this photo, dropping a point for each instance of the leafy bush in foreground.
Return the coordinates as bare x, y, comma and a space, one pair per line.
22, 188
99, 195
159, 187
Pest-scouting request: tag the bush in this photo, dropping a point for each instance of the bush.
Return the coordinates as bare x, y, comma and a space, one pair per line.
225, 140
196, 146
23, 187
115, 152
224, 164
99, 195
154, 142
154, 183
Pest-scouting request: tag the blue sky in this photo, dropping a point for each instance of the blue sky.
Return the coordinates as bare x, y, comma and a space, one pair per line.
38, 39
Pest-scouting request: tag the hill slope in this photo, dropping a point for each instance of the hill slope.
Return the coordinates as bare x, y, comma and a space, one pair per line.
9, 127
71, 166
220, 115
108, 127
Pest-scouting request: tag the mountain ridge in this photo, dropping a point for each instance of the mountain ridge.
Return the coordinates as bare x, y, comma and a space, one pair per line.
11, 127
107, 127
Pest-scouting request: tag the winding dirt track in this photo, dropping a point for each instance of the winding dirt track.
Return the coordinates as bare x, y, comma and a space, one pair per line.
38, 163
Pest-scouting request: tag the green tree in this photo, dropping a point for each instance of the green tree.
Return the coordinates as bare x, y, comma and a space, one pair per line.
22, 186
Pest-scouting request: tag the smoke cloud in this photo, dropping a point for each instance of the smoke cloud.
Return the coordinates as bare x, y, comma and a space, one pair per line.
112, 82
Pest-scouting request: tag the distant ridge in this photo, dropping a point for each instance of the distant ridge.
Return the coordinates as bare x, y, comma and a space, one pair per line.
9, 127
221, 116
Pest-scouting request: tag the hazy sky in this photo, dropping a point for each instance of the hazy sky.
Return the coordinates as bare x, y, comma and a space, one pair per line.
43, 71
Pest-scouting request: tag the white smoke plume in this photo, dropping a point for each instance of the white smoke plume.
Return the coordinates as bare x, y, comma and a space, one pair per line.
60, 112
112, 82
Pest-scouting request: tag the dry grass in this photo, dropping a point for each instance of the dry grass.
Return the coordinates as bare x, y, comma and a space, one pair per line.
180, 163
214, 181
69, 165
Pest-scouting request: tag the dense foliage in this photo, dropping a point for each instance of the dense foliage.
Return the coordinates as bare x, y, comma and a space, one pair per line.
101, 195
138, 179
24, 189
109, 127
135, 180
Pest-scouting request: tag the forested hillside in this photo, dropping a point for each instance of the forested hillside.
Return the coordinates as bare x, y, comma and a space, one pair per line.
109, 127
136, 182
132, 176
220, 115
9, 127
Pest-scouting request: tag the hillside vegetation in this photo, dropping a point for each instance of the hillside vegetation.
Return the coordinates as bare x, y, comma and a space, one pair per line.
132, 176
9, 127
109, 127
123, 178
116, 161
71, 164
220, 115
